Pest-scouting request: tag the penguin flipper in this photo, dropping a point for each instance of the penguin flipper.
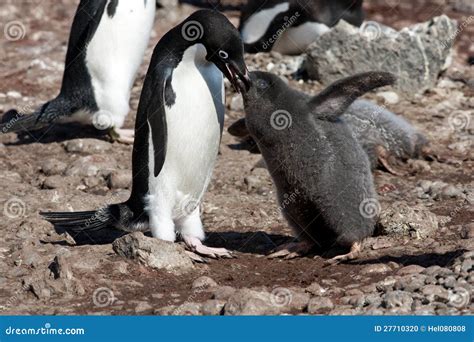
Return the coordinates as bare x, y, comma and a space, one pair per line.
333, 101
156, 116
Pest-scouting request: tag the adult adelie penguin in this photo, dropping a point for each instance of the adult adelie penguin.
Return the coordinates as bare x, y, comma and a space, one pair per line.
107, 42
178, 132
290, 26
324, 185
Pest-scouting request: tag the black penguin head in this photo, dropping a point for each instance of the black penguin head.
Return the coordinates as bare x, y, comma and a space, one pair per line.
222, 42
267, 106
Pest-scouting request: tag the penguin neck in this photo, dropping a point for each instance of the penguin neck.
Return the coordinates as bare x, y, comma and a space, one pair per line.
185, 50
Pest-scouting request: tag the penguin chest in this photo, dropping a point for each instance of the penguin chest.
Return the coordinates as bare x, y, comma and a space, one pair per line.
116, 50
194, 127
296, 40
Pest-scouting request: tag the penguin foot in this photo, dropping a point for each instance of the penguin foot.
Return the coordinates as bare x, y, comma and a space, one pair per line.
195, 245
353, 254
124, 136
291, 250
383, 156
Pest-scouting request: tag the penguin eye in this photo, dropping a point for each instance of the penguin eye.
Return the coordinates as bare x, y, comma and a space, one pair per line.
223, 54
262, 84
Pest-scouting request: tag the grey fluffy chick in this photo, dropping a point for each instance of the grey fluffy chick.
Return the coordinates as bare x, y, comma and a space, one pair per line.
314, 159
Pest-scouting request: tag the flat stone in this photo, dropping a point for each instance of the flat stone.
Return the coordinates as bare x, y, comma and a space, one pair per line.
154, 253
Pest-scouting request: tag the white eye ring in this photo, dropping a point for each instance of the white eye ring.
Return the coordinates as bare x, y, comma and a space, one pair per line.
223, 54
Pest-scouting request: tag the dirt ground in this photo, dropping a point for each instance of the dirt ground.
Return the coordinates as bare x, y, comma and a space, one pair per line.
74, 168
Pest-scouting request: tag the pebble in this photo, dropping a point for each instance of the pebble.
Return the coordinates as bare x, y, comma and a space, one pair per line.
316, 304
87, 146
119, 179
435, 293
316, 290
213, 307
375, 268
203, 283
397, 299
410, 269
467, 231
389, 97
51, 167
14, 94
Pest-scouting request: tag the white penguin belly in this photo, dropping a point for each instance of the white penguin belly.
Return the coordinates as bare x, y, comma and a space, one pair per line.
257, 24
296, 40
194, 129
115, 53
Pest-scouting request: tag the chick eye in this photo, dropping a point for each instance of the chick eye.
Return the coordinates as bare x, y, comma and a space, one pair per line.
223, 54
262, 84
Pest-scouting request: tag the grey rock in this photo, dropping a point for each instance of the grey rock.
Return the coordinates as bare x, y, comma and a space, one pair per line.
397, 300
467, 231
402, 219
213, 307
91, 166
188, 309
419, 53
120, 179
318, 304
87, 146
411, 269
435, 293
51, 167
223, 292
375, 268
355, 300
143, 307
389, 97
154, 253
203, 283
250, 302
410, 282
316, 290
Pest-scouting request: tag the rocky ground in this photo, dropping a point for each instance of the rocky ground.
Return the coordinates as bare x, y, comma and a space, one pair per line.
420, 263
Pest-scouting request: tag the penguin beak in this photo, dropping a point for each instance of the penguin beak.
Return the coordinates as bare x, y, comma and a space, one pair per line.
240, 79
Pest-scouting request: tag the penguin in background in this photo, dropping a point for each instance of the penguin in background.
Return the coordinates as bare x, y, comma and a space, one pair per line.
314, 159
177, 134
290, 26
106, 46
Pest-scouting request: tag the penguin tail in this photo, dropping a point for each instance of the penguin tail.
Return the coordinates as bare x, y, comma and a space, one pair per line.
14, 121
82, 221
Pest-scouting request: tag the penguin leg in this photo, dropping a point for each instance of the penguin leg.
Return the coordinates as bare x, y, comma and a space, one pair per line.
124, 136
356, 248
192, 232
292, 250
383, 155
161, 222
